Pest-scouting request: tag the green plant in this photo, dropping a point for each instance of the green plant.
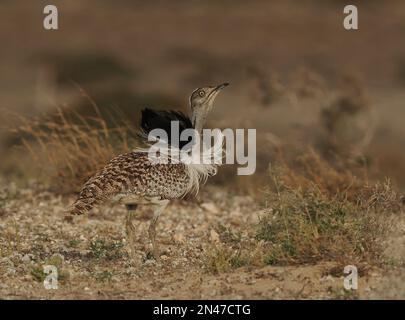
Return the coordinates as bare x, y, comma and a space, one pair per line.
308, 224
74, 243
103, 276
101, 249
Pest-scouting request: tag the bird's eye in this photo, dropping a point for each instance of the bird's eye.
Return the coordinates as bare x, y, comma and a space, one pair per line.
201, 93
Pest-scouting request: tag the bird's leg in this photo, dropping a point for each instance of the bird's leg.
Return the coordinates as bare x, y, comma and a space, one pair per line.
131, 203
130, 229
160, 205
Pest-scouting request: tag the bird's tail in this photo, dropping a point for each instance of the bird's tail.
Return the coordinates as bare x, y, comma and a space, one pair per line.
82, 206
99, 188
88, 198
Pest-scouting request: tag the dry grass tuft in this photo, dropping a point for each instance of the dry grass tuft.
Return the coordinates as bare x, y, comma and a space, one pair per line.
68, 148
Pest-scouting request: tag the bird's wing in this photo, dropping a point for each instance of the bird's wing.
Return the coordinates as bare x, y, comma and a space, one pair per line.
154, 119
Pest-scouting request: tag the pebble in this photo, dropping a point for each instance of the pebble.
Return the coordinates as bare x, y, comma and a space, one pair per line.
214, 236
179, 238
210, 207
164, 257
327, 278
10, 271
150, 262
27, 258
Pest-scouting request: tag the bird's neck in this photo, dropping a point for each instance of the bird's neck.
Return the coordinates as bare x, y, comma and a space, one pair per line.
198, 123
198, 119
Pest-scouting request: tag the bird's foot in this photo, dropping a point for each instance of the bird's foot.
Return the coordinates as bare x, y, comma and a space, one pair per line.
131, 206
154, 253
150, 255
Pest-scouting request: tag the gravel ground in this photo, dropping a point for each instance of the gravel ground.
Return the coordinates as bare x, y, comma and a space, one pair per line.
93, 262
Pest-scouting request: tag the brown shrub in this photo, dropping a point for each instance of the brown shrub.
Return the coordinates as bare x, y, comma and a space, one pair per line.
316, 212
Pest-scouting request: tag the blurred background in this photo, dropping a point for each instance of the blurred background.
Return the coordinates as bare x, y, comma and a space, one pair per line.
296, 74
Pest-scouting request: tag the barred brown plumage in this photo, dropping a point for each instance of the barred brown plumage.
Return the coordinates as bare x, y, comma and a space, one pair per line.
133, 174
134, 179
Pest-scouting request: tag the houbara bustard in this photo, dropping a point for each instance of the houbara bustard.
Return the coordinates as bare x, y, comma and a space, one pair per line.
133, 179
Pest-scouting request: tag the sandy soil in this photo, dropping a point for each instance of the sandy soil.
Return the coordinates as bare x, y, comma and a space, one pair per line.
33, 233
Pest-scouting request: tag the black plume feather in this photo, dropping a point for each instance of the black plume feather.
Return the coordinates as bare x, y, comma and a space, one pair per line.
154, 119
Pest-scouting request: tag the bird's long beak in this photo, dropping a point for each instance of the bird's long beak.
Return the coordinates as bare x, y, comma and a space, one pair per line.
216, 90
221, 86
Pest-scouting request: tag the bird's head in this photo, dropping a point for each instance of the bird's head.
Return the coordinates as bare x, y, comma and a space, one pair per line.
201, 102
